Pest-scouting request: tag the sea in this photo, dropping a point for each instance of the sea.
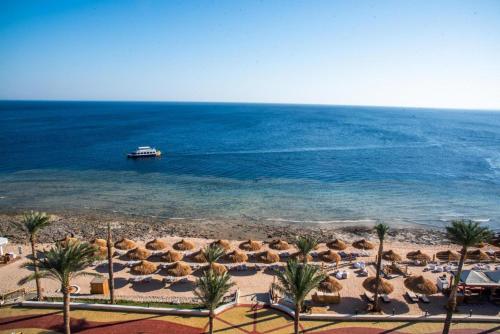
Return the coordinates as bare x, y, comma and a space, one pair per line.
343, 165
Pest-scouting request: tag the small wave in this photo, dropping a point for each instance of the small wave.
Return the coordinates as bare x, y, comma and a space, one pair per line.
336, 221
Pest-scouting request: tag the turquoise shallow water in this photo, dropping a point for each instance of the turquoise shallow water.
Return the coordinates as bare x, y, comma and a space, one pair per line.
247, 161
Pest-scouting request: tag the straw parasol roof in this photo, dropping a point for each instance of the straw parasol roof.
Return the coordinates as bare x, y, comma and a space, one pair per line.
99, 242
390, 255
329, 256
171, 256
480, 245
101, 252
125, 244
144, 268
224, 244
183, 245
300, 257
218, 268
418, 255
384, 286
279, 245
448, 255
250, 245
156, 244
138, 253
336, 244
198, 256
363, 244
179, 269
268, 257
67, 240
419, 284
330, 285
237, 256
478, 255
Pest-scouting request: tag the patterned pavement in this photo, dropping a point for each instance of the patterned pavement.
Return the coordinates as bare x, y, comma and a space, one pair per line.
243, 319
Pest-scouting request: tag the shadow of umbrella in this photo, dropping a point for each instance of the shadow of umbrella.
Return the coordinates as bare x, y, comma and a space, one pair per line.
152, 285
103, 268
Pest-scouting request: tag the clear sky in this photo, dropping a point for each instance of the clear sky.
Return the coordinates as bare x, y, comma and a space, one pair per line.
400, 53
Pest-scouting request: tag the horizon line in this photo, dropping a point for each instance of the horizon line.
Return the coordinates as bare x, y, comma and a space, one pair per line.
260, 103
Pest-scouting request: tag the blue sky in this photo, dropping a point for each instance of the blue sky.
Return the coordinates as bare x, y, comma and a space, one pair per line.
399, 53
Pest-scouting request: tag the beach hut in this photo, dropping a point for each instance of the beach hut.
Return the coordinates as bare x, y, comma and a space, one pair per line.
156, 244
183, 245
390, 255
418, 256
268, 257
420, 285
330, 256
478, 255
384, 286
179, 269
250, 245
279, 245
237, 256
363, 244
336, 244
99, 242
218, 268
447, 256
138, 253
171, 256
224, 244
144, 268
198, 257
125, 244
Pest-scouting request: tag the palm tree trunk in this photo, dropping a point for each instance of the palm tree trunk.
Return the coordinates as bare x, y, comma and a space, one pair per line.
452, 299
376, 306
39, 295
67, 319
111, 279
211, 322
296, 319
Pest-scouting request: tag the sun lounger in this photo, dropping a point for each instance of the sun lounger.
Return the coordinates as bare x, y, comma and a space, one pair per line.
140, 279
385, 298
412, 296
424, 299
369, 297
363, 273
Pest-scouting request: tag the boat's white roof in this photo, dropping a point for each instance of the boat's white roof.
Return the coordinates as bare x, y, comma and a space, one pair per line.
144, 147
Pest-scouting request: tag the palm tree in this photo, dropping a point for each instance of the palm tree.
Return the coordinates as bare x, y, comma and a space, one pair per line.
305, 245
64, 264
212, 253
296, 281
211, 289
33, 223
465, 233
381, 230
111, 279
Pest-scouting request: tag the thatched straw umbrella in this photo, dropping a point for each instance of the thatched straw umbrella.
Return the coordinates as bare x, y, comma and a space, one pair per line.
224, 244
237, 256
250, 245
156, 244
268, 257
279, 245
480, 245
363, 244
421, 285
330, 285
68, 240
179, 269
418, 256
101, 252
99, 242
448, 256
183, 245
144, 268
218, 268
336, 244
125, 244
138, 253
171, 256
384, 286
330, 256
300, 257
478, 255
198, 256
390, 255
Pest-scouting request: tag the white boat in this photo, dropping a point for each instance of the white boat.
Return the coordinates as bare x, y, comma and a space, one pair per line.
144, 152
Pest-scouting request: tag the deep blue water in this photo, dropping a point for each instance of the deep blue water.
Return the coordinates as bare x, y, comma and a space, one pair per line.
250, 161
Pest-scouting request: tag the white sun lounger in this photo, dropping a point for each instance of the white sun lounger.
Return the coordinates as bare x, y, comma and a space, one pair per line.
385, 298
424, 299
412, 296
369, 296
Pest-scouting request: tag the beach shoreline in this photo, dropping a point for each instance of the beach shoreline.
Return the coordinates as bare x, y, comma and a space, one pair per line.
88, 225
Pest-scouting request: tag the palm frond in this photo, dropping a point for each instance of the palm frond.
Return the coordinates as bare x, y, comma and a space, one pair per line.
213, 253
381, 229
211, 288
35, 221
467, 233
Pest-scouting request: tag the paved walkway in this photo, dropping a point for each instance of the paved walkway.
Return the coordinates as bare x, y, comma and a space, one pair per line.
244, 319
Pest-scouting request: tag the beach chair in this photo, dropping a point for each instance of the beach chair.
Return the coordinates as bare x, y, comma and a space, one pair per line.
385, 298
363, 273
424, 299
412, 296
369, 297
